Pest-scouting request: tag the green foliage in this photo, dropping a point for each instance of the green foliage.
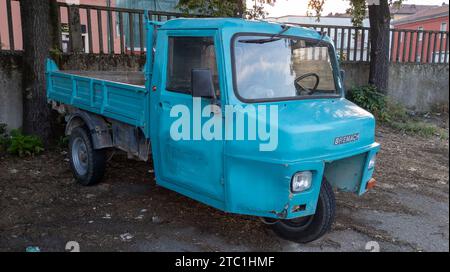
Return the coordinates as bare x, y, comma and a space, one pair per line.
24, 145
370, 99
214, 8
225, 8
342, 57
391, 113
4, 139
256, 11
231, 8
56, 54
317, 7
358, 9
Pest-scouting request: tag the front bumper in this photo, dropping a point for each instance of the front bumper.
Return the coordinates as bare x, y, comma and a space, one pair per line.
262, 188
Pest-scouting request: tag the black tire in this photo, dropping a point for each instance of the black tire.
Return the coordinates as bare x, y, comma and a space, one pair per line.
93, 162
310, 228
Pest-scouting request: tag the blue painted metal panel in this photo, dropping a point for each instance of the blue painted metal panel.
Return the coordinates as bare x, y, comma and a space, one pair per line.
123, 102
239, 177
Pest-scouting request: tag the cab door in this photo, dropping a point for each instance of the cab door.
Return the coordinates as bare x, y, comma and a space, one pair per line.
191, 165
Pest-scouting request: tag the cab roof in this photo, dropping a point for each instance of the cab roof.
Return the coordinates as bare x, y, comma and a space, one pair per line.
236, 25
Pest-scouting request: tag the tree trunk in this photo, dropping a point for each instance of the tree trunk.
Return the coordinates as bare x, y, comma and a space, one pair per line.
380, 18
241, 8
35, 16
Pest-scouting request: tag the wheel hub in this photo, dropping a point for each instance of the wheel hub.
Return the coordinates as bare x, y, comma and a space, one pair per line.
80, 156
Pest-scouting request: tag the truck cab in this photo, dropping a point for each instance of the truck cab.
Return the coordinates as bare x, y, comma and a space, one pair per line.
248, 117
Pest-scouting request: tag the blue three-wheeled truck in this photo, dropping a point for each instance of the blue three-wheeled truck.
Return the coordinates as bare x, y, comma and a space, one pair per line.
198, 73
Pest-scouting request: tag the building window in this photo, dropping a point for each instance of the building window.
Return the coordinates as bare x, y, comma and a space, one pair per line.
420, 33
444, 26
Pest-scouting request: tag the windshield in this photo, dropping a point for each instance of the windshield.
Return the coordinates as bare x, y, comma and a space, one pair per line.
283, 68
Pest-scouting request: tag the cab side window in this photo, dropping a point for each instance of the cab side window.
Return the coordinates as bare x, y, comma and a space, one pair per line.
185, 54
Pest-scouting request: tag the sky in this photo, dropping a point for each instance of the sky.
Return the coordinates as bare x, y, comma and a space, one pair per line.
299, 7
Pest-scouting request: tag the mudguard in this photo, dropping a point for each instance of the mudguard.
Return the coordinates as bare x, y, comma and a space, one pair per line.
98, 127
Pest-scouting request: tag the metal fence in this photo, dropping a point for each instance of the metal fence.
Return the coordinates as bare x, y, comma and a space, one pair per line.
406, 46
111, 30
8, 33
419, 46
104, 30
86, 28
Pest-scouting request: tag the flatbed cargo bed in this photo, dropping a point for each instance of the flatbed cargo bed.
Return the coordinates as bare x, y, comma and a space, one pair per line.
118, 95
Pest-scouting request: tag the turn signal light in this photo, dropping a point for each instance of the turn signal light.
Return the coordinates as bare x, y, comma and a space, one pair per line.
371, 184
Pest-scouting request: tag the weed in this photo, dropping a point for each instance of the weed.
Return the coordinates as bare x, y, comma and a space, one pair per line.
392, 113
24, 145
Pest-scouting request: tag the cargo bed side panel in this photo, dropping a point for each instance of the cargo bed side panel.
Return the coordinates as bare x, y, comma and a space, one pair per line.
120, 101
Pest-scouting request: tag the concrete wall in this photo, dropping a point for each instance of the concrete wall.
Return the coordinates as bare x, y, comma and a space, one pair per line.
92, 62
356, 74
11, 78
420, 87
11, 90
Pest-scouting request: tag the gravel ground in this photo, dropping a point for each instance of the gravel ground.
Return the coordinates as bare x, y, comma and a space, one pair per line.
42, 206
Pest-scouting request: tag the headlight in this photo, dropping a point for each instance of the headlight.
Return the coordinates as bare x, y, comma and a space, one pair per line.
301, 182
372, 162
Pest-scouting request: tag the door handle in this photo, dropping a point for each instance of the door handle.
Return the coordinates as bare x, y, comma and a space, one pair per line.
165, 105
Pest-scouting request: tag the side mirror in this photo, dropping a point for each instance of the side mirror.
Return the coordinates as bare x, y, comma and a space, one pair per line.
202, 83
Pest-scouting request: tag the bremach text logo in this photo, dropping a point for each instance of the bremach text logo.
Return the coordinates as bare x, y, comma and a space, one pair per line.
233, 123
346, 139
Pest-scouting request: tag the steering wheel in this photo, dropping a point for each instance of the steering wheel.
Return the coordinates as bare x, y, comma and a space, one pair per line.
300, 88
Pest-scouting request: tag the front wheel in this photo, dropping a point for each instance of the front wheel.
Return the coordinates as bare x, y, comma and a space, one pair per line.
310, 228
88, 165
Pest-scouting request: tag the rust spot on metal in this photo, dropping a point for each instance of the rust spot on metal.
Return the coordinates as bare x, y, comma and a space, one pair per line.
283, 214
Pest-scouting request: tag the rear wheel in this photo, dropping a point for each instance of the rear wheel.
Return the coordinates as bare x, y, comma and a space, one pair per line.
310, 228
88, 165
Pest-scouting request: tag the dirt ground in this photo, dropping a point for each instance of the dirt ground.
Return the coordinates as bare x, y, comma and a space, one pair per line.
41, 205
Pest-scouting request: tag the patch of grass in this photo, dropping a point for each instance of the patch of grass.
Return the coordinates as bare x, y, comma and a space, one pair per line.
392, 113
420, 128
370, 99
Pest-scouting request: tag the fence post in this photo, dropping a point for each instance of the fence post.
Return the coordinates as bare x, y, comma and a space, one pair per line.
76, 40
1, 44
9, 16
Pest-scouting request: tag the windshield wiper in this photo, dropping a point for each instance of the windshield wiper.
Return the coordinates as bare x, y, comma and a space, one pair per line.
273, 38
261, 41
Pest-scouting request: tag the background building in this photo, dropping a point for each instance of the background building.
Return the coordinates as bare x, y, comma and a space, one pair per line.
156, 5
433, 19
404, 10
